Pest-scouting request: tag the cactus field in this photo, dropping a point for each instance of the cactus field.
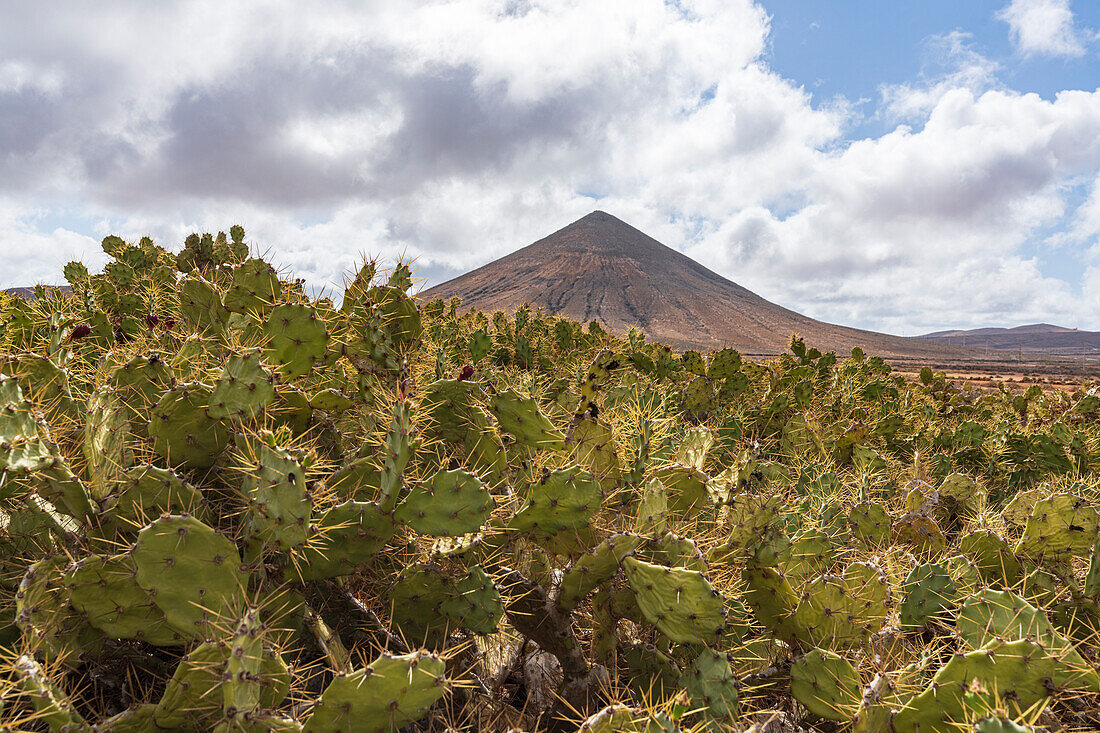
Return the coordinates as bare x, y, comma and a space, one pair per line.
228, 505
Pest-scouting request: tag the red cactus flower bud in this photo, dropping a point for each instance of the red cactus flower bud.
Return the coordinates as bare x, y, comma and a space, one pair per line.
466, 373
169, 323
80, 331
151, 320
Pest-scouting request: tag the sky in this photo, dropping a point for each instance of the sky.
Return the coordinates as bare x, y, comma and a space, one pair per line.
904, 167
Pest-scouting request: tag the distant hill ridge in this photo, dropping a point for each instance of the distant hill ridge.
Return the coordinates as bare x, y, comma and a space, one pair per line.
1043, 337
601, 268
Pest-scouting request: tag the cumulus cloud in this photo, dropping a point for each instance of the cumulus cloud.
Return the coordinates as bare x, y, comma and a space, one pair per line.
455, 131
1043, 27
951, 62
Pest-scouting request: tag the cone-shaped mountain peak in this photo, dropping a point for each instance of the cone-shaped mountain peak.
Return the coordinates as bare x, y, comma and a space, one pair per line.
601, 268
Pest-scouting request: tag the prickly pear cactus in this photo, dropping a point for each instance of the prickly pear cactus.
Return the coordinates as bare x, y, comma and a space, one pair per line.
220, 497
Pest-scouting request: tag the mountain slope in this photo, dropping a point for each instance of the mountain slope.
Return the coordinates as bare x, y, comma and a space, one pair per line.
1035, 337
600, 268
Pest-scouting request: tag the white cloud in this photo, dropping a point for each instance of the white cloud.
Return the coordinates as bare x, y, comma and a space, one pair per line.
951, 63
1043, 27
457, 131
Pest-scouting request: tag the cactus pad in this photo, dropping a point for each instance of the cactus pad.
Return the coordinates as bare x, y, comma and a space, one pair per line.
255, 288
105, 590
343, 538
521, 418
1060, 526
869, 523
827, 684
275, 485
23, 446
389, 694
565, 499
929, 592
194, 574
147, 491
711, 683
297, 339
595, 569
449, 504
681, 603
183, 430
245, 388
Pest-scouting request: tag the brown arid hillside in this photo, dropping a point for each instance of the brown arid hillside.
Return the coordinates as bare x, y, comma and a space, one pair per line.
1034, 337
601, 268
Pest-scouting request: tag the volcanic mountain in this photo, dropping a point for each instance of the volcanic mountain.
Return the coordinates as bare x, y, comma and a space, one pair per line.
601, 268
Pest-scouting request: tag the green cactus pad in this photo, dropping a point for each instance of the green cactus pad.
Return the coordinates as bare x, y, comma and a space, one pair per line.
869, 523
999, 725
201, 306
190, 700
139, 384
565, 499
138, 719
1019, 671
105, 434
676, 551
183, 430
771, 598
827, 684
748, 516
991, 555
345, 537
1018, 511
962, 489
330, 400
194, 574
43, 613
929, 593
296, 339
920, 532
275, 485
416, 605
106, 591
52, 706
23, 444
599, 374
255, 288
147, 491
389, 694
595, 569
652, 512
725, 364
449, 504
241, 686
681, 603
842, 612
592, 444
693, 449
1003, 615
1060, 526
244, 390
712, 685
686, 488
521, 418
963, 573
479, 344
474, 603
811, 553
